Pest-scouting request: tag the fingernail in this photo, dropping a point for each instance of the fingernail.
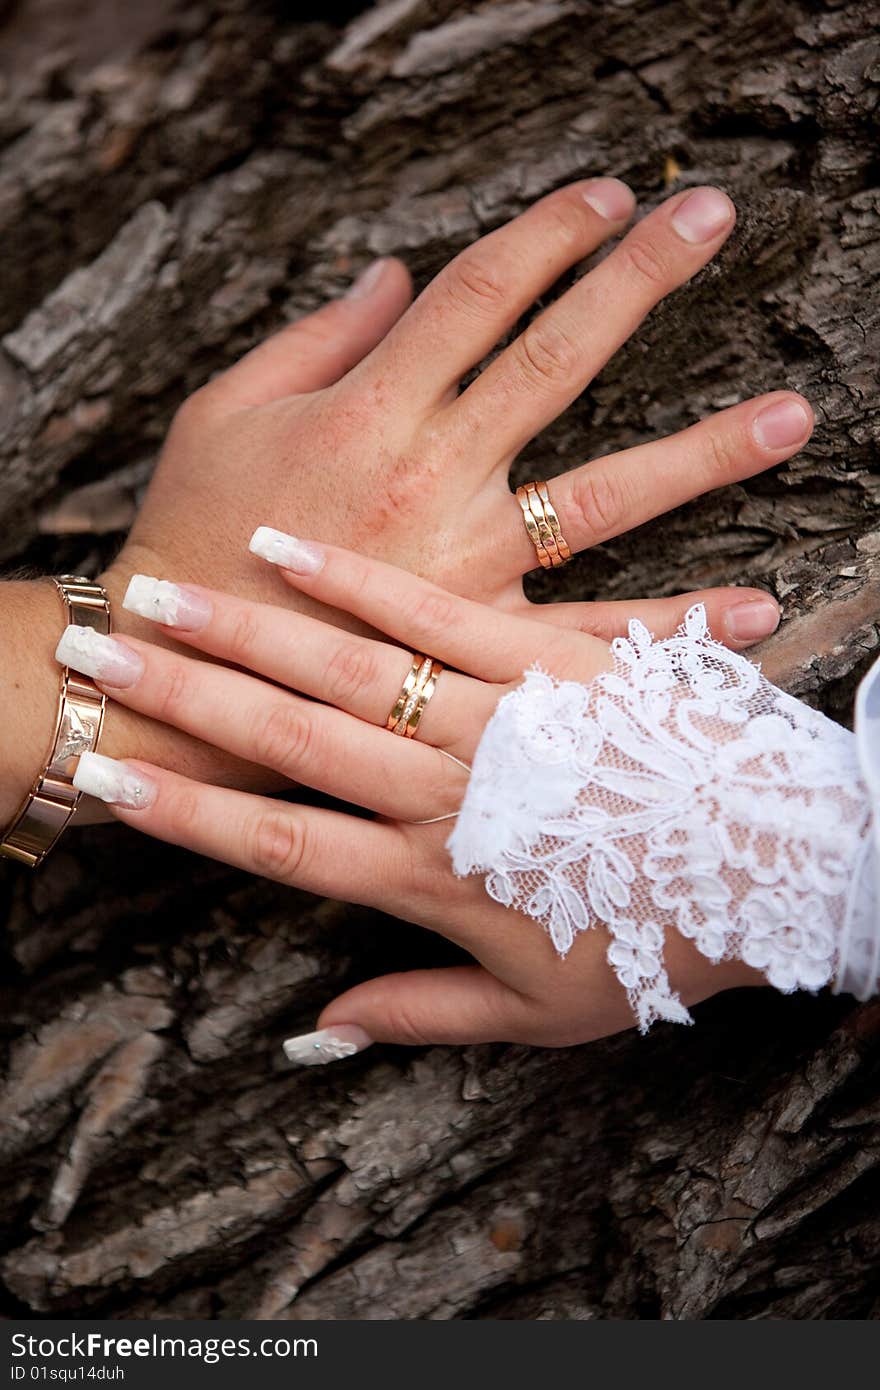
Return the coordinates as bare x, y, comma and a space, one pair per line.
327, 1045
703, 214
302, 557
164, 602
781, 424
610, 198
367, 281
747, 622
103, 658
113, 781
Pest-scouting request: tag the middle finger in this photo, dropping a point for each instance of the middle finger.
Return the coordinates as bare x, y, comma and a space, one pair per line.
480, 294
551, 362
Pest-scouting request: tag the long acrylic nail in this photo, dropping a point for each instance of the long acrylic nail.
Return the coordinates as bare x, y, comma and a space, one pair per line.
164, 602
103, 658
302, 557
326, 1045
702, 215
750, 621
611, 198
113, 781
781, 424
367, 281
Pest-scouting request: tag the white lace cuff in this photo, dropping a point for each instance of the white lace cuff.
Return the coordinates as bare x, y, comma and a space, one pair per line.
681, 789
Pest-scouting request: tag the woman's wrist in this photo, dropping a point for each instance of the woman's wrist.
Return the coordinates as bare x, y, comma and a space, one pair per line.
33, 619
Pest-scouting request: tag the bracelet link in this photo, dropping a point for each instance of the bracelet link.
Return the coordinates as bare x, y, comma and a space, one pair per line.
53, 799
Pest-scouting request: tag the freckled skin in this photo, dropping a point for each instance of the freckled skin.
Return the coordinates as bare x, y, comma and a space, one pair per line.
349, 427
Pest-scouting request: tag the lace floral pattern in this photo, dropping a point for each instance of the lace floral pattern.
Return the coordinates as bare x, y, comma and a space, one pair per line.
679, 789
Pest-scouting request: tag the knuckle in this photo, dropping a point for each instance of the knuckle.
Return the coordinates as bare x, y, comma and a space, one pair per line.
542, 1027
548, 356
180, 808
721, 454
277, 846
564, 654
427, 881
433, 442
431, 614
412, 874
597, 503
449, 781
402, 1024
598, 622
475, 279
568, 219
315, 332
351, 670
243, 636
358, 577
436, 450
646, 261
282, 738
174, 694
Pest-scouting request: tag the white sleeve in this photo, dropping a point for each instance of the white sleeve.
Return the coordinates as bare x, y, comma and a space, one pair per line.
681, 790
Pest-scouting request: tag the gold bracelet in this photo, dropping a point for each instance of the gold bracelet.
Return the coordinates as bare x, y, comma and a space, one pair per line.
52, 800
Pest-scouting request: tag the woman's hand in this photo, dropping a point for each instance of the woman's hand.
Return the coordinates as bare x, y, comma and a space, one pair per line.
349, 426
331, 736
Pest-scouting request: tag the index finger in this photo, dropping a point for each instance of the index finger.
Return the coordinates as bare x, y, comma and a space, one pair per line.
477, 640
480, 294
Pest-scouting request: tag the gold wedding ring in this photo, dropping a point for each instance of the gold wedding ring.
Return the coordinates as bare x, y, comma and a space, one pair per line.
415, 693
542, 525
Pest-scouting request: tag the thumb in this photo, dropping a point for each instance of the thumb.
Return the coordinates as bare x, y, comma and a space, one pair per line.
318, 349
458, 1004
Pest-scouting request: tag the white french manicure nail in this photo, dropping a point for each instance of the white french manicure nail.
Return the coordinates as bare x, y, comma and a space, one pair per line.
164, 602
101, 657
113, 781
302, 557
327, 1045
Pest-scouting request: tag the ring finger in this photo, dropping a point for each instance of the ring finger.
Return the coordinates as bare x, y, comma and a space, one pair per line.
614, 494
302, 740
359, 675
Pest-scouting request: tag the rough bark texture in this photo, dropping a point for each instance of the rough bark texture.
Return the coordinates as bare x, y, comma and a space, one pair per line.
168, 192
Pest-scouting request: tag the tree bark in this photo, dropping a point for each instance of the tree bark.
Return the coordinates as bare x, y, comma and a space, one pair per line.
170, 192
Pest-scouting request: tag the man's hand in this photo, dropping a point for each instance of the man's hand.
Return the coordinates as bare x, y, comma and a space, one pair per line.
349, 427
